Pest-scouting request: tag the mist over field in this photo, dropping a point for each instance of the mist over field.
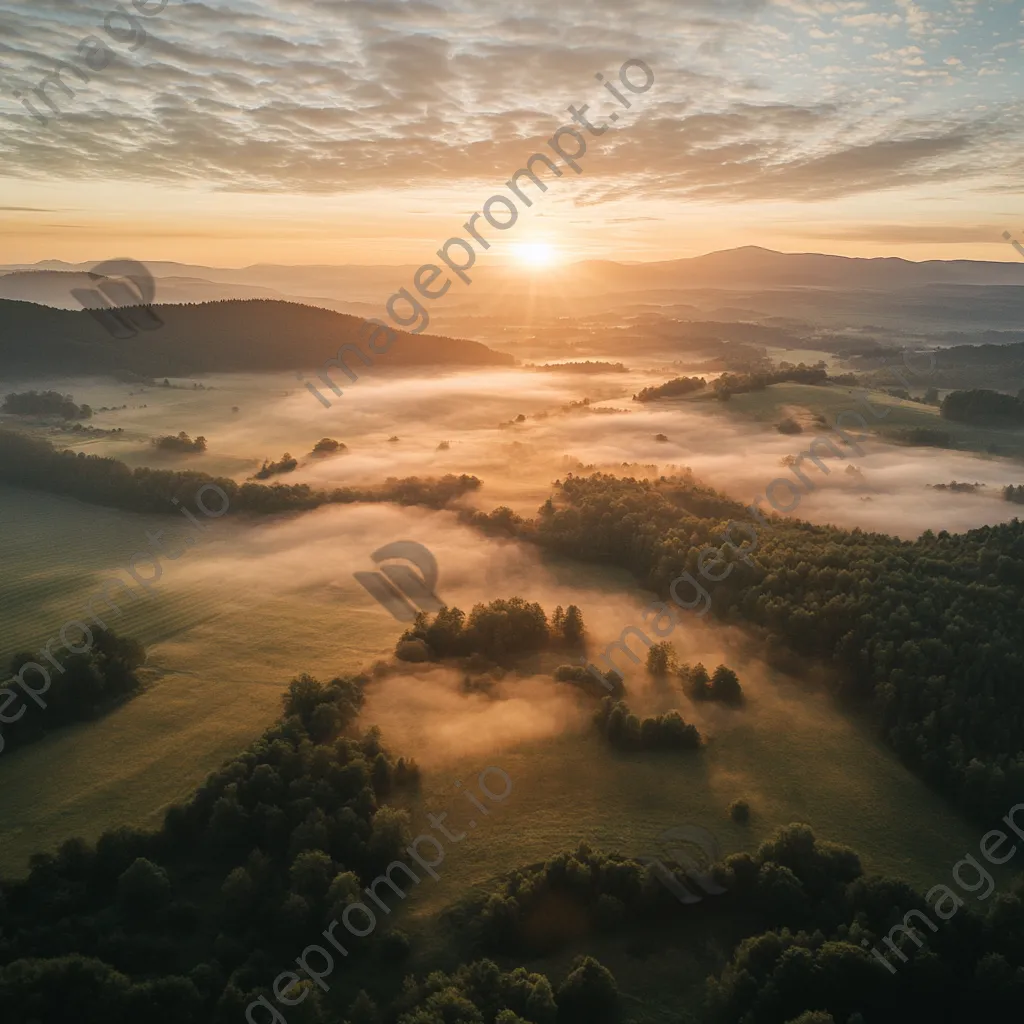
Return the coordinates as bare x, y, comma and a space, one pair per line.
883, 487
511, 514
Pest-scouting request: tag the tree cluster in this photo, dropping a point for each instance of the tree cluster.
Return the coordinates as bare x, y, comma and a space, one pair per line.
185, 924
180, 443
90, 684
286, 465
45, 403
671, 389
625, 731
502, 632
328, 446
723, 686
739, 383
927, 634
30, 462
982, 406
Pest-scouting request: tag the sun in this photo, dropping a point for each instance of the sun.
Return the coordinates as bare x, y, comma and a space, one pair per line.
535, 254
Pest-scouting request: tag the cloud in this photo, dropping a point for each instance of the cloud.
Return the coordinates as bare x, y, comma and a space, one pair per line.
296, 96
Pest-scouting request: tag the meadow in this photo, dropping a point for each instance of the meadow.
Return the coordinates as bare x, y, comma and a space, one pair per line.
235, 619
259, 601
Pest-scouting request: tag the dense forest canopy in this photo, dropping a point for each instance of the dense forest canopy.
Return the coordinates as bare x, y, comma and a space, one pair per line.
982, 406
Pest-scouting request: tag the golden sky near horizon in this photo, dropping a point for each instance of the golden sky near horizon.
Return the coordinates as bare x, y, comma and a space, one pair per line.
349, 131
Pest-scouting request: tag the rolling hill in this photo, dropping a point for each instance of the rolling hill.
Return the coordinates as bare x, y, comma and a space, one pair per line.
231, 336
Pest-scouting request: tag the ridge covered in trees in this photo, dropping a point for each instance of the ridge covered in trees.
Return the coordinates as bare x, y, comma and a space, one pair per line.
214, 337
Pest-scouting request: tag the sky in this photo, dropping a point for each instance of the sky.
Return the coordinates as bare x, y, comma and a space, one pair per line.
368, 131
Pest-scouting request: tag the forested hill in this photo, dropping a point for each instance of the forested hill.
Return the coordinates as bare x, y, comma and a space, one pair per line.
929, 633
240, 335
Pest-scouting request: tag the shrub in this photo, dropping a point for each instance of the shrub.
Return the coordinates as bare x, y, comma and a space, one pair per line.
739, 811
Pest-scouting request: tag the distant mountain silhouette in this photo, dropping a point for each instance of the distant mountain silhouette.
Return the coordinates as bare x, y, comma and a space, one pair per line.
255, 334
752, 266
745, 268
53, 288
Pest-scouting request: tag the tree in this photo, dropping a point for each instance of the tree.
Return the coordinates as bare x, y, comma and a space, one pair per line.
739, 811
390, 836
696, 681
588, 995
661, 659
345, 889
725, 686
311, 874
363, 1010
573, 630
143, 888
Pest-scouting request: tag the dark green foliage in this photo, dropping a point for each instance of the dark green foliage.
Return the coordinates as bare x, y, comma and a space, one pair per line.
218, 337
328, 446
982, 406
501, 632
739, 383
44, 403
696, 681
541, 908
725, 687
957, 487
1014, 493
661, 659
926, 634
739, 811
180, 443
923, 437
588, 995
143, 889
573, 630
477, 993
789, 426
28, 462
165, 926
625, 731
671, 389
90, 684
286, 464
